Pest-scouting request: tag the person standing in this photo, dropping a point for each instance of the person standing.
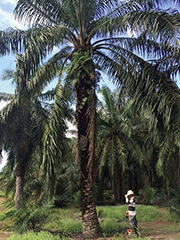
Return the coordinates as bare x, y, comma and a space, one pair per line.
131, 213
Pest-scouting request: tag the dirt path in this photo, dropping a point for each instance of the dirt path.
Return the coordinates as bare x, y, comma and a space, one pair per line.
161, 230
170, 236
4, 235
2, 200
150, 230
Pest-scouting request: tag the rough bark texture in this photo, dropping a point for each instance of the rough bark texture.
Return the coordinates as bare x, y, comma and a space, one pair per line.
19, 195
23, 147
20, 171
86, 116
118, 187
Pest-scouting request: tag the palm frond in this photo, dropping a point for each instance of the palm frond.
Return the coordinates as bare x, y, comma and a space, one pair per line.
54, 136
149, 49
155, 24
108, 98
47, 96
6, 96
102, 156
103, 7
143, 86
39, 12
7, 111
38, 41
8, 74
48, 71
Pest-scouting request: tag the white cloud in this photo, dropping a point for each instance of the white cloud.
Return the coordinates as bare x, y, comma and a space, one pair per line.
71, 130
4, 154
13, 2
132, 33
8, 20
3, 104
4, 160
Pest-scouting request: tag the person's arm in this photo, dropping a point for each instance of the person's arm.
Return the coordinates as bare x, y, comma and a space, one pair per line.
127, 200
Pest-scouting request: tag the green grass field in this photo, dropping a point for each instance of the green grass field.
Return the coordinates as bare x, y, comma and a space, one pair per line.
66, 223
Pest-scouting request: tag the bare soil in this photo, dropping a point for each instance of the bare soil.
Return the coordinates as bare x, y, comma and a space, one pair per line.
5, 235
160, 231
2, 200
154, 231
170, 236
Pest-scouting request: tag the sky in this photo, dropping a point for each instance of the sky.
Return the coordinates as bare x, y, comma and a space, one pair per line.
4, 155
6, 21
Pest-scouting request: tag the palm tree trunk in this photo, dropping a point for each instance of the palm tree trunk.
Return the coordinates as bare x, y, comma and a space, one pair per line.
178, 168
86, 117
19, 194
118, 184
147, 168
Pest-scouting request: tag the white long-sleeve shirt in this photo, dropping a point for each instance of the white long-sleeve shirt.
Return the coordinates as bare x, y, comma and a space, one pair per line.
131, 206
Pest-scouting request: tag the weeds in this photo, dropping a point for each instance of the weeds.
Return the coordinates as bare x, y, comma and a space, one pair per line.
36, 236
68, 221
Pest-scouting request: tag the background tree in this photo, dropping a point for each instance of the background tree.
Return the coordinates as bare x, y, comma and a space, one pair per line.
19, 126
23, 123
115, 140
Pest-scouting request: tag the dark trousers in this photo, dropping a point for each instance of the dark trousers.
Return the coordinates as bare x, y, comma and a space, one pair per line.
134, 224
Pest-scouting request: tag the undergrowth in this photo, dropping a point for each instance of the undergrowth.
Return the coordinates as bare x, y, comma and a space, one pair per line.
35, 236
67, 222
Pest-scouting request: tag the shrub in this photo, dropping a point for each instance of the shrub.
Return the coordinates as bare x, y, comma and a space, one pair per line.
71, 226
117, 212
66, 225
149, 213
30, 218
110, 226
175, 193
64, 220
76, 199
149, 194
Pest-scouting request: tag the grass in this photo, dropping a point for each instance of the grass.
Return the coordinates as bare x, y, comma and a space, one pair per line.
173, 228
64, 220
1, 193
48, 236
35, 236
66, 226
144, 213
67, 222
112, 219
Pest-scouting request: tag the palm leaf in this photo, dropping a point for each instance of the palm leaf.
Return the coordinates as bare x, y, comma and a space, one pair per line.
161, 24
36, 11
48, 71
54, 137
6, 96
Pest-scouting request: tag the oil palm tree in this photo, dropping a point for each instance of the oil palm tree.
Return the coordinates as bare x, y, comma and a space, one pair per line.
115, 138
90, 35
23, 122
169, 149
19, 126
